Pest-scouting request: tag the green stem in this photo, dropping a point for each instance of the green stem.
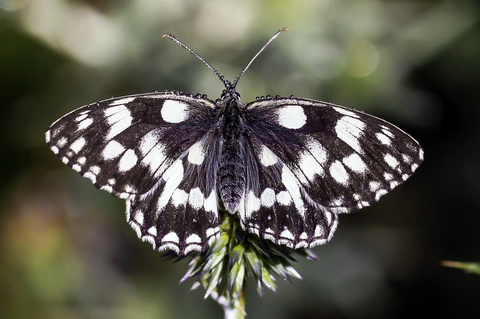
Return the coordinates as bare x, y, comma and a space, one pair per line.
233, 308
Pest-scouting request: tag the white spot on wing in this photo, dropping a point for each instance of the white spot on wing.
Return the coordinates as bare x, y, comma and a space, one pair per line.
212, 234
61, 142
81, 117
268, 197
139, 218
338, 172
192, 247
128, 160
211, 202
90, 176
174, 111
349, 130
374, 186
391, 161
148, 142
384, 139
284, 198
172, 177
317, 150
287, 234
119, 118
152, 231
172, 237
407, 159
291, 116
47, 136
380, 193
112, 150
196, 198
196, 155
107, 188
193, 239
387, 132
290, 182
78, 145
269, 234
355, 163
179, 197
137, 229
252, 203
152, 151
95, 170
149, 239
310, 166
84, 124
267, 157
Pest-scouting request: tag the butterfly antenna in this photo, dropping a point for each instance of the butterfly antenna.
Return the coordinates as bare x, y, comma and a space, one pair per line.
258, 53
177, 41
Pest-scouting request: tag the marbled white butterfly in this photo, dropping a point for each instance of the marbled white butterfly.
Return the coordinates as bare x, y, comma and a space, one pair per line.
286, 166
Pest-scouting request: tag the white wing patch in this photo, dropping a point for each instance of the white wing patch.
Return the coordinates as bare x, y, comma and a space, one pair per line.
127, 161
174, 111
173, 176
196, 154
349, 130
291, 116
119, 118
267, 157
339, 173
112, 150
355, 163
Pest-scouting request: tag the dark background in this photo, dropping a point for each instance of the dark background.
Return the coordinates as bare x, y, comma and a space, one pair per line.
65, 248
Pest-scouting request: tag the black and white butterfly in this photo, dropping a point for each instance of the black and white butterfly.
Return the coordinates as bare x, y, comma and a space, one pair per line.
286, 166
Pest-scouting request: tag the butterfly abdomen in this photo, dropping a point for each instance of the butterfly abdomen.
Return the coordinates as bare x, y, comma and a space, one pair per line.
231, 172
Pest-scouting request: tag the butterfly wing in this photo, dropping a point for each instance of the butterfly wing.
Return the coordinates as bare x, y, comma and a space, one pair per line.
329, 159
141, 148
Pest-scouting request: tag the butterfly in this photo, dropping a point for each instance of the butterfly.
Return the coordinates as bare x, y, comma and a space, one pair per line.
286, 166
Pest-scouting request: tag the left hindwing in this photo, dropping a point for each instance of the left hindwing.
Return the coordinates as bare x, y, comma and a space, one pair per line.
341, 159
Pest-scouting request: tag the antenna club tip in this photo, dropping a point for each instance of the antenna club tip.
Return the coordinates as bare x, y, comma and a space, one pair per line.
285, 29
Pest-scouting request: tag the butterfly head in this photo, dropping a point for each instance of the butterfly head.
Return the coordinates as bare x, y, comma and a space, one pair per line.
230, 92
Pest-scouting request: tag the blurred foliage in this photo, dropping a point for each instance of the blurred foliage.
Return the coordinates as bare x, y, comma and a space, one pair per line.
473, 268
65, 249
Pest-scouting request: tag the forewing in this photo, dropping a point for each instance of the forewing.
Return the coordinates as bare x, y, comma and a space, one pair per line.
124, 145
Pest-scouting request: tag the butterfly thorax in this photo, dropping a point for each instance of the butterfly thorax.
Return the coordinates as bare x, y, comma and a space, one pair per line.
231, 172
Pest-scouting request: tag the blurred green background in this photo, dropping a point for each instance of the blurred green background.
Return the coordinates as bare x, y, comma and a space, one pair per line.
65, 248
